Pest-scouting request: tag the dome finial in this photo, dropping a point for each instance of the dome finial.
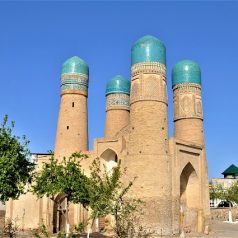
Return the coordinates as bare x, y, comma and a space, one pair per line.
186, 71
74, 65
148, 49
118, 84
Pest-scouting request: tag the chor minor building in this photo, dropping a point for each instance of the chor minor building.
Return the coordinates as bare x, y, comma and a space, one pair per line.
171, 172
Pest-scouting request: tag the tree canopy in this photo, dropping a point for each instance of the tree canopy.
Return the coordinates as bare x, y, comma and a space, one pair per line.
230, 194
65, 177
15, 168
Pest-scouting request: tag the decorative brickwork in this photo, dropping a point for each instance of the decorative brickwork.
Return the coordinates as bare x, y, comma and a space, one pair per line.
187, 101
148, 68
74, 83
148, 82
118, 101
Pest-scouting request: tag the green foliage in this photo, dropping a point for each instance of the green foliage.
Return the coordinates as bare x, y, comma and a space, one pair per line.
103, 188
80, 227
229, 195
64, 177
232, 193
216, 191
15, 169
108, 195
46, 181
103, 192
42, 232
73, 182
60, 234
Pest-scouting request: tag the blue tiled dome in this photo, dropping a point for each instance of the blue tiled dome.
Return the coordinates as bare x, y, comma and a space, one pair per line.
74, 65
186, 71
148, 49
118, 84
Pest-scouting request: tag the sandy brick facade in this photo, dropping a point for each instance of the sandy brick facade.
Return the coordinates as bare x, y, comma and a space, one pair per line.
171, 172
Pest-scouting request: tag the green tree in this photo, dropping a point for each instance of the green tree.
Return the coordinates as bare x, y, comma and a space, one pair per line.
229, 195
15, 168
108, 195
66, 178
216, 191
103, 188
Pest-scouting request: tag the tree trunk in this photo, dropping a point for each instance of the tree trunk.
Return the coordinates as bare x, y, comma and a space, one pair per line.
67, 218
230, 214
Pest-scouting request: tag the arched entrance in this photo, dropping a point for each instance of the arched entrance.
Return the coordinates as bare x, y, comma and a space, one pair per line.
189, 198
59, 219
111, 159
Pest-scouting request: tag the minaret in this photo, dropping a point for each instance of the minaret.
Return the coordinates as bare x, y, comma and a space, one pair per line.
188, 115
148, 157
188, 126
72, 129
117, 105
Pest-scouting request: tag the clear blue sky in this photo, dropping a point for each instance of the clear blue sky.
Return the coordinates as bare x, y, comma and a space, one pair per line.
37, 37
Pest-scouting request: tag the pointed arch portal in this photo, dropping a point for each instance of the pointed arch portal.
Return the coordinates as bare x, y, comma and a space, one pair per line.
189, 197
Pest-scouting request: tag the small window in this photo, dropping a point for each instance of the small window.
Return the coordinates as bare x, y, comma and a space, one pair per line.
116, 158
67, 127
72, 104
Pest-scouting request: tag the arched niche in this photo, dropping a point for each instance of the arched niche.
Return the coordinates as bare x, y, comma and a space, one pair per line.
189, 197
110, 158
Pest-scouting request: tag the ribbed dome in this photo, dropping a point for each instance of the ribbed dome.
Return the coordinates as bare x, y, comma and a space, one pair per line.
148, 49
186, 71
118, 84
74, 65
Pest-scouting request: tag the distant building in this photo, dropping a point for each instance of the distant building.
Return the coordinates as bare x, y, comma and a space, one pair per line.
230, 176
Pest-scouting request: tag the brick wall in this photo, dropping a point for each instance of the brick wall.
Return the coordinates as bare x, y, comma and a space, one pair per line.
221, 214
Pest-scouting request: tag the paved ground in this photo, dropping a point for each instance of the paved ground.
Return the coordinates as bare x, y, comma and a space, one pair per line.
219, 230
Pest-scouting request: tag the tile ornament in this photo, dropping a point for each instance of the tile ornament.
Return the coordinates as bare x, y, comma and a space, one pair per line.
186, 71
74, 76
118, 84
148, 49
74, 83
75, 65
118, 93
187, 101
148, 68
148, 82
118, 101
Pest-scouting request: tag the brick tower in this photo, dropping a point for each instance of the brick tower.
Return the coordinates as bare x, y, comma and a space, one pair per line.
148, 155
72, 129
188, 127
188, 115
117, 105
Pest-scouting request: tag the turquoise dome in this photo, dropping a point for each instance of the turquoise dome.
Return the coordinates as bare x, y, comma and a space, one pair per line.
74, 65
148, 49
186, 71
118, 84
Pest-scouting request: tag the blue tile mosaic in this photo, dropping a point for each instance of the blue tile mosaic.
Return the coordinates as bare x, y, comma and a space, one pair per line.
148, 49
186, 71
118, 84
75, 65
